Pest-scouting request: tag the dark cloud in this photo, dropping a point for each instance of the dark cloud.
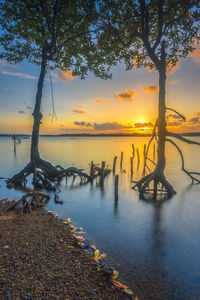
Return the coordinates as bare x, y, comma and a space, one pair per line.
141, 125
126, 96
195, 120
110, 126
174, 116
29, 107
78, 111
62, 125
21, 112
174, 123
103, 126
84, 124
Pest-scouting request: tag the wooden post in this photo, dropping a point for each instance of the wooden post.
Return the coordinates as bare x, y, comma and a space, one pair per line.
116, 186
131, 159
133, 150
92, 169
138, 156
154, 151
114, 164
121, 162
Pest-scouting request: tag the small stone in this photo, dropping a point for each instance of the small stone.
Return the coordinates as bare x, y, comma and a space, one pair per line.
6, 247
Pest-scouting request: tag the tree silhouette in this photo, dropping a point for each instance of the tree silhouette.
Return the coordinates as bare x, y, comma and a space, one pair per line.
52, 34
155, 34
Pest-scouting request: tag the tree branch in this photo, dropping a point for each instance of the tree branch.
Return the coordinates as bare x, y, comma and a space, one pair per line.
183, 166
179, 137
182, 116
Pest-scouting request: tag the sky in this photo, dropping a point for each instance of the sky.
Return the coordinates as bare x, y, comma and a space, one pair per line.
127, 103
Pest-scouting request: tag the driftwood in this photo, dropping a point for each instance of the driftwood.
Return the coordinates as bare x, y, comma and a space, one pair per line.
29, 201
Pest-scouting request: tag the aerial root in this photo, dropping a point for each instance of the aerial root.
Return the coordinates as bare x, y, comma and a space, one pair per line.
44, 173
161, 187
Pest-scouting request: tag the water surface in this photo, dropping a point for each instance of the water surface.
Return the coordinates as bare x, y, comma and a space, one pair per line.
155, 247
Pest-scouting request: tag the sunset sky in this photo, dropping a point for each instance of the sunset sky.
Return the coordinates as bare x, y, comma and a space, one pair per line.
126, 103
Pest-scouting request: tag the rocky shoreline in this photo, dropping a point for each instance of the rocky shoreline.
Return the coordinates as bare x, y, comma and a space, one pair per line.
42, 258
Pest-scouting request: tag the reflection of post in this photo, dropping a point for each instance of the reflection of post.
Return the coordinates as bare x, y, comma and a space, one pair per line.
138, 156
116, 187
131, 159
154, 151
121, 162
144, 151
133, 150
114, 164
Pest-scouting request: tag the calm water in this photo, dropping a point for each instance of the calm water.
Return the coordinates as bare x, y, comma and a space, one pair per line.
156, 248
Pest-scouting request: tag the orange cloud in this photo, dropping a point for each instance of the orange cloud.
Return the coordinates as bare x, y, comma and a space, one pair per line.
151, 89
195, 55
126, 96
173, 82
78, 111
64, 75
171, 69
97, 100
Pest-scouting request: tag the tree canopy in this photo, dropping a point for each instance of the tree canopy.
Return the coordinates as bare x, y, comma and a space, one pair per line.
57, 29
132, 31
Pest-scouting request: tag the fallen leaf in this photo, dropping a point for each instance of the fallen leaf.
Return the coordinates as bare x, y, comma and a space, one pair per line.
115, 274
79, 238
81, 232
70, 247
119, 284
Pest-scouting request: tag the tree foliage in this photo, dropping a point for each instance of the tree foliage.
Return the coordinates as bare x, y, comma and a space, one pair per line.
132, 31
60, 30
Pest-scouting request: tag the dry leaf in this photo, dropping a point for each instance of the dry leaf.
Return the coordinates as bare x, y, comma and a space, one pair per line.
7, 217
119, 284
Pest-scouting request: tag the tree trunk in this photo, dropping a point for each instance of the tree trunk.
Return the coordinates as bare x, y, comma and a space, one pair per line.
37, 113
161, 114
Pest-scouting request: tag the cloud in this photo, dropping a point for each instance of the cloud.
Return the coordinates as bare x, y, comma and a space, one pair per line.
103, 126
174, 123
110, 126
195, 120
21, 112
171, 69
173, 82
97, 100
22, 75
78, 111
151, 89
126, 96
195, 56
83, 124
174, 116
142, 125
65, 75
29, 107
62, 125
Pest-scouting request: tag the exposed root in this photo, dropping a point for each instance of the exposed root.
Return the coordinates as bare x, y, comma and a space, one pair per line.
155, 184
190, 174
45, 175
30, 201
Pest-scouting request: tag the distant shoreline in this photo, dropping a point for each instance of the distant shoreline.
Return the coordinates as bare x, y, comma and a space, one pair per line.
95, 135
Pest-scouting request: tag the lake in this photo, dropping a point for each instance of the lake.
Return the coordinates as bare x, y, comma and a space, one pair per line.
154, 246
